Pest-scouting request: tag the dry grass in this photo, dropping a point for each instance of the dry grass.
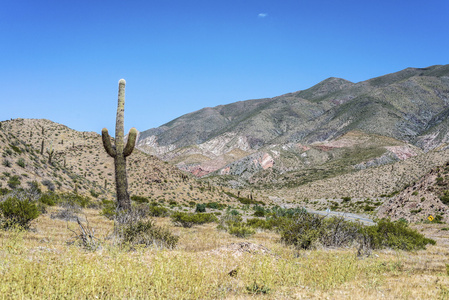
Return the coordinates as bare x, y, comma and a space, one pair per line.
40, 264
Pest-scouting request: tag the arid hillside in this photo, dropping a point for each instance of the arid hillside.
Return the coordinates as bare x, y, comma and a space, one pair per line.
64, 159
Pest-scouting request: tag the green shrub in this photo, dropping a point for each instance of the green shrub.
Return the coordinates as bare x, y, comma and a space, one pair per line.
200, 208
158, 211
227, 219
109, 209
249, 201
49, 184
259, 213
256, 288
263, 224
215, 205
18, 211
240, 230
395, 235
4, 191
15, 148
368, 208
75, 199
277, 212
21, 162
233, 225
94, 194
346, 199
146, 233
302, 230
189, 219
336, 232
49, 198
6, 163
234, 212
139, 199
445, 198
14, 181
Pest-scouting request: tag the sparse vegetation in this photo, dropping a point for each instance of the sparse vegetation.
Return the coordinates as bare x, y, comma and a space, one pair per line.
18, 210
187, 220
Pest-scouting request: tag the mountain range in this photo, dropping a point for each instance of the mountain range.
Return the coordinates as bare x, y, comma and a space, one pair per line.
332, 128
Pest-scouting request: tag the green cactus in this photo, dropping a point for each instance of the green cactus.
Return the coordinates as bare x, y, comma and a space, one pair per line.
50, 152
119, 152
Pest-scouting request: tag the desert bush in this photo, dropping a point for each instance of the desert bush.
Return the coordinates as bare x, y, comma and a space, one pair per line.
256, 288
187, 220
14, 181
108, 209
67, 213
18, 210
240, 230
200, 208
233, 225
49, 184
146, 233
339, 233
49, 198
15, 148
368, 208
302, 230
158, 211
21, 162
259, 211
139, 199
249, 201
94, 194
395, 235
234, 212
227, 219
445, 197
75, 199
215, 205
6, 163
256, 223
4, 191
305, 231
277, 212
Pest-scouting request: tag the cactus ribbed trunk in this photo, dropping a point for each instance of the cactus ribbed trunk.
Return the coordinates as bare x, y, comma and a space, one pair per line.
120, 152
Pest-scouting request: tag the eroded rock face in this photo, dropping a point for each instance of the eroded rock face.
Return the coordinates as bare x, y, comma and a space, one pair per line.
402, 152
150, 145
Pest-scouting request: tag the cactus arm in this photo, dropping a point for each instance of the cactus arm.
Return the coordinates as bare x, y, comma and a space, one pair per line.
107, 143
132, 135
119, 126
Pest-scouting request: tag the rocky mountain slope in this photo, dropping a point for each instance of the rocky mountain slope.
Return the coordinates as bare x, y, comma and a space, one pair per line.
79, 163
331, 128
428, 196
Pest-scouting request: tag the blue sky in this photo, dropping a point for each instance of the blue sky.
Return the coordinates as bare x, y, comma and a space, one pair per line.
61, 60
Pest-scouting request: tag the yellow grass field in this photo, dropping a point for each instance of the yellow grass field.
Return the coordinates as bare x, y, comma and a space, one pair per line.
40, 264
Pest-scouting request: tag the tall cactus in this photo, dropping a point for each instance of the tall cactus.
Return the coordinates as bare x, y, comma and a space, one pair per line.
119, 152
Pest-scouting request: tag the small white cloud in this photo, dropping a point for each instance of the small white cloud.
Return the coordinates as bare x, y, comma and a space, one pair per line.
262, 15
